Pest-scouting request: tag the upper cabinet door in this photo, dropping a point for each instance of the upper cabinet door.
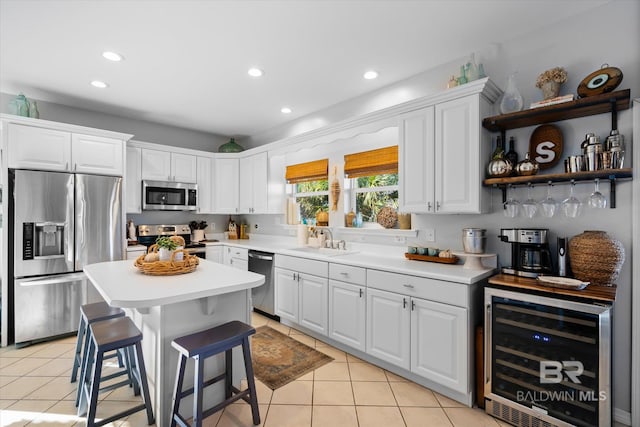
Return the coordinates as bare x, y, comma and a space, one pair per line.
225, 183
205, 184
97, 155
156, 165
253, 184
415, 155
133, 179
458, 171
39, 148
183, 168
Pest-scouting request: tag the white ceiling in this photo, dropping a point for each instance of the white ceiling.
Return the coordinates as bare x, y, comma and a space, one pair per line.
186, 61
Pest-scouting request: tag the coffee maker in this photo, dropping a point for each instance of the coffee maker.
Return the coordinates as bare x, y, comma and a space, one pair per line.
530, 254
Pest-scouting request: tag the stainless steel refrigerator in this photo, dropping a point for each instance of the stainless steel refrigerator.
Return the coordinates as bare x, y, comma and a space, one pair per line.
61, 222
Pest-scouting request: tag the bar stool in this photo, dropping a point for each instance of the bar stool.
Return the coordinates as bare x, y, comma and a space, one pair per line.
109, 335
202, 345
90, 313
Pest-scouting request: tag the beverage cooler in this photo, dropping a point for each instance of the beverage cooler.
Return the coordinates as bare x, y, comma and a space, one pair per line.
547, 360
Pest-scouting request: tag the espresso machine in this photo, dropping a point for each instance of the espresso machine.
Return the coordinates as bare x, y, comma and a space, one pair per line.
530, 254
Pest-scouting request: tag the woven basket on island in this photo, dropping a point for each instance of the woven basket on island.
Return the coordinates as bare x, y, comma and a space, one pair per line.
596, 257
175, 265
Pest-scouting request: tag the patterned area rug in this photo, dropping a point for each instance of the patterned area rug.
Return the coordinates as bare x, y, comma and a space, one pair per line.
279, 359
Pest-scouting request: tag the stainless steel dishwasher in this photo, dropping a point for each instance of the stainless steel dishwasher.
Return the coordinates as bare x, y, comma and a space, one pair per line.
263, 296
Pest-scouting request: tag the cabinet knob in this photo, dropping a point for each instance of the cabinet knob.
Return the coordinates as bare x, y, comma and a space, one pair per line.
437, 206
429, 206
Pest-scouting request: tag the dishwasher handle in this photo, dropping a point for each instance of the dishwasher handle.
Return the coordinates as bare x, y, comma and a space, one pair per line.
260, 256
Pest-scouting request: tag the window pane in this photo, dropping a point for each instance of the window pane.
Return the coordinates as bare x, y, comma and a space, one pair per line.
370, 203
310, 205
311, 186
378, 180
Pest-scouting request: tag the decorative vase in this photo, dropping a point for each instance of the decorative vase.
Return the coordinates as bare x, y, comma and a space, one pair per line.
596, 257
350, 219
404, 221
230, 147
511, 100
164, 254
33, 109
550, 89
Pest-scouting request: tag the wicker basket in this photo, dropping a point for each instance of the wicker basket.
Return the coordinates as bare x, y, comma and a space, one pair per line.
167, 268
595, 257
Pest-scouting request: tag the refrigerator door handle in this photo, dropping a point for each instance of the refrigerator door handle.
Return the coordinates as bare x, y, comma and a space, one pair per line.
70, 225
51, 280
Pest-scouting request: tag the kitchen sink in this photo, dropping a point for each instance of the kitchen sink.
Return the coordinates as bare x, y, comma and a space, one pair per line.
323, 251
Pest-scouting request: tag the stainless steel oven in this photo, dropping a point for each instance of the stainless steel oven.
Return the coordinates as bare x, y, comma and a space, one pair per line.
147, 235
547, 360
169, 196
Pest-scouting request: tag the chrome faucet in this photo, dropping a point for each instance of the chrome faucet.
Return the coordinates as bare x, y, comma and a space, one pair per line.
330, 236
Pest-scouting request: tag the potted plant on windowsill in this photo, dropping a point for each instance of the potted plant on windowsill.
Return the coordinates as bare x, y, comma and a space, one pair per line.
197, 230
166, 245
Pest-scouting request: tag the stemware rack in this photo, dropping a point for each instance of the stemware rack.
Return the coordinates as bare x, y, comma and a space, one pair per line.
598, 104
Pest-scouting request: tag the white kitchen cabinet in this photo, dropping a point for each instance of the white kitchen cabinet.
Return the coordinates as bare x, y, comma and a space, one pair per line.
133, 177
439, 343
205, 184
56, 150
286, 294
388, 323
442, 153
301, 292
236, 257
96, 155
347, 313
253, 184
39, 148
215, 254
134, 254
158, 165
225, 182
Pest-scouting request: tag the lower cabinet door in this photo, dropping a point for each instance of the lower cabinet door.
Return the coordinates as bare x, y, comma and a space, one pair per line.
286, 294
439, 346
388, 323
347, 314
313, 310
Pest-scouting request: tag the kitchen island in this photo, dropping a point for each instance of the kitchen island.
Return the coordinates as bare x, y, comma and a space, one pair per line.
167, 307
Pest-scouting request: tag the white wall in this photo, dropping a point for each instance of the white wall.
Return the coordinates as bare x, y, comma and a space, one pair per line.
142, 131
580, 45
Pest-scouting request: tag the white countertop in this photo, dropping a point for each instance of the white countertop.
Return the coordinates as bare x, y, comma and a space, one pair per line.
383, 258
123, 285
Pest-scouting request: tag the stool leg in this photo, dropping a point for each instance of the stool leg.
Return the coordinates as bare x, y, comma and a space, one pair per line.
77, 360
85, 360
228, 371
246, 351
95, 387
87, 363
131, 367
197, 391
142, 373
177, 391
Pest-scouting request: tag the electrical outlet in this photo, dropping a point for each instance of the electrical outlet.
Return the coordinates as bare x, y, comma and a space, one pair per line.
255, 226
400, 239
430, 234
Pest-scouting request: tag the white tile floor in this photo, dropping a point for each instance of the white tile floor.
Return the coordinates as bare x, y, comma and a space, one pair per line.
348, 392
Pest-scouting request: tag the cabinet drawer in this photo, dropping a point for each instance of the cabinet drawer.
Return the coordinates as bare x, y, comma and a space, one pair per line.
303, 265
420, 287
347, 273
240, 253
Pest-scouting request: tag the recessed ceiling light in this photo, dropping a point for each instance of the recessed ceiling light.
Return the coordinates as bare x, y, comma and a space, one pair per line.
370, 75
112, 56
285, 110
255, 72
99, 84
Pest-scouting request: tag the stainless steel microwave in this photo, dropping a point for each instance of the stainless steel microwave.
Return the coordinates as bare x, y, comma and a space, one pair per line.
169, 196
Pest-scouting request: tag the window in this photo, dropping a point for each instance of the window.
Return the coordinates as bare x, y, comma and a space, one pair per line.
310, 187
373, 181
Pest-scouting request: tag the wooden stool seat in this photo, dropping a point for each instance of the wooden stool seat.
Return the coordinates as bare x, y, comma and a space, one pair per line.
201, 345
90, 313
118, 334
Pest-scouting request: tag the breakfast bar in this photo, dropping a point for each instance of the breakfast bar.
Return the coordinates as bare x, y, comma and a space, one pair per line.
167, 307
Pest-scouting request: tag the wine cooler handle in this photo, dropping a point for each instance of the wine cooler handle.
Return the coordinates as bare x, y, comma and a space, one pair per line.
487, 345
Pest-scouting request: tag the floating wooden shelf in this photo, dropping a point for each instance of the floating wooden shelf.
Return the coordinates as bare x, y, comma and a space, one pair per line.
561, 177
597, 104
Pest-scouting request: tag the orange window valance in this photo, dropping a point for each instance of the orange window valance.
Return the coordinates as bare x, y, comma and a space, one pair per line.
373, 162
310, 171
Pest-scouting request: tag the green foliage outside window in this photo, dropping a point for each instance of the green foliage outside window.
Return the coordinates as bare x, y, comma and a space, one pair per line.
311, 204
369, 203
